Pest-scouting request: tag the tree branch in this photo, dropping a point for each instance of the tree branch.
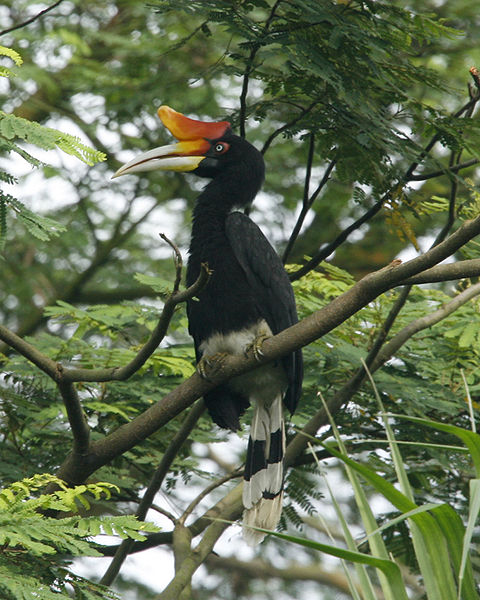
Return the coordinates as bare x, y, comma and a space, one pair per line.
121, 373
259, 569
287, 341
323, 253
32, 19
453, 169
76, 418
45, 364
228, 508
177, 260
187, 568
448, 272
204, 493
307, 199
422, 323
287, 125
68, 375
249, 69
154, 486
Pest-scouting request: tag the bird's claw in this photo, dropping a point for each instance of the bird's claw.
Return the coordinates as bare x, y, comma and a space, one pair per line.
209, 366
256, 346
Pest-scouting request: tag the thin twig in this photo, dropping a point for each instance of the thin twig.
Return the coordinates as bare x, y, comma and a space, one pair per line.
178, 262
32, 19
305, 201
451, 203
287, 125
323, 253
122, 373
455, 169
213, 486
422, 323
306, 207
164, 512
249, 69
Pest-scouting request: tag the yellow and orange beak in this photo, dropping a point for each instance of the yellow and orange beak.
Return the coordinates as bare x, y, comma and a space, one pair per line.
193, 143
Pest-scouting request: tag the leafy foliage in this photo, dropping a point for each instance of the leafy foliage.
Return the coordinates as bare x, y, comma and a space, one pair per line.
14, 129
14, 56
371, 88
24, 530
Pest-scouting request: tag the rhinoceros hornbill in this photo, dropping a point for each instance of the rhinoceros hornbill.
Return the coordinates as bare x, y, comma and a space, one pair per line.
248, 298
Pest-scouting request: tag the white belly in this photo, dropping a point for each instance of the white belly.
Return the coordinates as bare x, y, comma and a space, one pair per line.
263, 384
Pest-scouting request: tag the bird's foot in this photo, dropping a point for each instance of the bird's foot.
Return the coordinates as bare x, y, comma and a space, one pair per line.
209, 366
256, 346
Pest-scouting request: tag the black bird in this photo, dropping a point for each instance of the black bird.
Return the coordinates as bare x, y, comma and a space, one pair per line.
247, 299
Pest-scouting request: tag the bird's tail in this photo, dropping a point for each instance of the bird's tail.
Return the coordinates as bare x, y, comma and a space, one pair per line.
263, 485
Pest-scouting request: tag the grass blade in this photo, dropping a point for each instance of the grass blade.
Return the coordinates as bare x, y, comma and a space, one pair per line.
474, 509
389, 569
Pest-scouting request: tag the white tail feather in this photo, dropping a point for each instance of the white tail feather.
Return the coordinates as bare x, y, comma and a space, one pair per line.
262, 489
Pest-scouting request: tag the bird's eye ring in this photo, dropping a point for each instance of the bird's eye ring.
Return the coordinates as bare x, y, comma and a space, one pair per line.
221, 147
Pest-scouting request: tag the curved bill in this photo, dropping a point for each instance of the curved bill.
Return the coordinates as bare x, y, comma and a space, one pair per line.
186, 154
183, 156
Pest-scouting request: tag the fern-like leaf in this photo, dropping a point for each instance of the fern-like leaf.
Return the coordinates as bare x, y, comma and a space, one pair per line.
13, 127
15, 56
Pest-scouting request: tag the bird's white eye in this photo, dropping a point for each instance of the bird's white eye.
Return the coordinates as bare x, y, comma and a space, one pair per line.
221, 147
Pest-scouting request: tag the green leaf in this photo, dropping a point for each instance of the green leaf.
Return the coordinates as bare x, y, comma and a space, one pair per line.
47, 138
388, 567
466, 583
469, 438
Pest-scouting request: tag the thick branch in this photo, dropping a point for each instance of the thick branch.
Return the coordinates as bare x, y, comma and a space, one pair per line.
301, 334
76, 418
260, 569
448, 272
423, 323
58, 373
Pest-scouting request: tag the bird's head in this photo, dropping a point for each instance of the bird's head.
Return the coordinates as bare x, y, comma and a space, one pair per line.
207, 149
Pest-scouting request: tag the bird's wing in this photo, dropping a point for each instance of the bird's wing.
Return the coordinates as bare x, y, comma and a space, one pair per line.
271, 286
